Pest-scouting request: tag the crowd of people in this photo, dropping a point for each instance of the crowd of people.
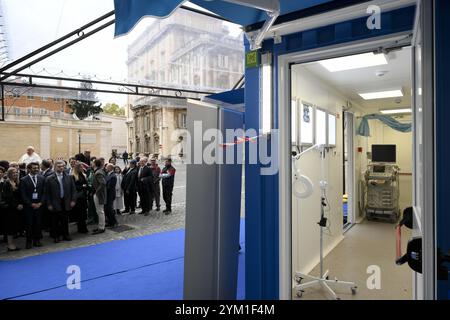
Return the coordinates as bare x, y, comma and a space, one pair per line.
44, 195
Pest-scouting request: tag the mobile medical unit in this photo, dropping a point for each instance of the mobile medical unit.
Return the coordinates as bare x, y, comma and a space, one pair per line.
280, 34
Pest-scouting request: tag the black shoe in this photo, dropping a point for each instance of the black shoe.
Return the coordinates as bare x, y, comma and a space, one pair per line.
98, 231
167, 212
12, 250
37, 244
125, 211
67, 239
157, 209
146, 213
132, 212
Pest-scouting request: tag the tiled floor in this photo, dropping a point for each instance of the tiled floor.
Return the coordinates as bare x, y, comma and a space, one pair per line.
367, 244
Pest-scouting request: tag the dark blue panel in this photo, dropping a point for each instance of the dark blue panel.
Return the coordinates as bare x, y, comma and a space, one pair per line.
245, 15
326, 35
253, 265
442, 50
230, 97
396, 21
343, 31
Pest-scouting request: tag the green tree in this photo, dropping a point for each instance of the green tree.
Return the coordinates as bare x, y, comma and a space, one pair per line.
86, 103
114, 109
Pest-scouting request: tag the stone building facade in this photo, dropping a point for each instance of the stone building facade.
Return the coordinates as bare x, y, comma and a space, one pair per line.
52, 137
186, 50
41, 118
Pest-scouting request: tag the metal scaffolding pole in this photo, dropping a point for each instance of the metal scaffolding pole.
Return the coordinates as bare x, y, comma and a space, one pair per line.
45, 56
57, 41
3, 102
30, 78
133, 89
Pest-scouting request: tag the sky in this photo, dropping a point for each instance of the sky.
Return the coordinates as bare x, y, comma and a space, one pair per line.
31, 24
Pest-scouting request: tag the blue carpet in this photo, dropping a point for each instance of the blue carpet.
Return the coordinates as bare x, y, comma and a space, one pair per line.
144, 268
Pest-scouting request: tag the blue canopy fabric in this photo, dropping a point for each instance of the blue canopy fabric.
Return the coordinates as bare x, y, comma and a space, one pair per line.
236, 96
364, 129
129, 12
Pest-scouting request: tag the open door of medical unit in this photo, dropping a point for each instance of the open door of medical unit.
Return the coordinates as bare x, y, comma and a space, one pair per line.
431, 171
213, 203
424, 153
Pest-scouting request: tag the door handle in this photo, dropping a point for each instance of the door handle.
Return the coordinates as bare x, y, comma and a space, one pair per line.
413, 255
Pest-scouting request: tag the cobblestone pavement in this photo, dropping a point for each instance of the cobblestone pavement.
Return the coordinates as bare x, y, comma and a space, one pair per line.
142, 225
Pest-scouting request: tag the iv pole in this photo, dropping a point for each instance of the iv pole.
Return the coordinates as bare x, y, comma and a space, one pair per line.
323, 280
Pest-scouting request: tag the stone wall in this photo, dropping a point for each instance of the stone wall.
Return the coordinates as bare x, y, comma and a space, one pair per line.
53, 138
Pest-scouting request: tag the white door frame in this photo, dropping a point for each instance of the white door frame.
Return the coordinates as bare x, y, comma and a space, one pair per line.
351, 171
284, 138
425, 222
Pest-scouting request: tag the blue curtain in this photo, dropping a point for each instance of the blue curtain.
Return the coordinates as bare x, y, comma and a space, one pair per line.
364, 130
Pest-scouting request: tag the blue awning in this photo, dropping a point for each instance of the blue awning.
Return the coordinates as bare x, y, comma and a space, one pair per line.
129, 12
232, 97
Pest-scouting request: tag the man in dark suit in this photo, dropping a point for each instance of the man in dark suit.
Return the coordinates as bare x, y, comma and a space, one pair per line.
168, 180
145, 185
46, 171
32, 192
111, 181
129, 186
125, 157
46, 168
99, 186
156, 188
60, 195
22, 170
71, 167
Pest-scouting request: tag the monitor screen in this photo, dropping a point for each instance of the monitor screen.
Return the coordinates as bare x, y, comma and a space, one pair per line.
384, 153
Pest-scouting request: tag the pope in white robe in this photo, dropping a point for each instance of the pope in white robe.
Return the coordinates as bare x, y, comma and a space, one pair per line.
30, 156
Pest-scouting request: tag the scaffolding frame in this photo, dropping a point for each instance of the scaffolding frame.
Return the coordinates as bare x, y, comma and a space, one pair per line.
80, 34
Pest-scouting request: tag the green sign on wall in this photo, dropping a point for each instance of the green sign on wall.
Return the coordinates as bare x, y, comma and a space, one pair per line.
251, 59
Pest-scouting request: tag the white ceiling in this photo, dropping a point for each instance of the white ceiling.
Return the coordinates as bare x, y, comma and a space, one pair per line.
352, 82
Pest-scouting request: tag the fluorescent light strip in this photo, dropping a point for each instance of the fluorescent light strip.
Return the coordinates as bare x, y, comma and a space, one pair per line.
381, 94
358, 61
396, 111
266, 99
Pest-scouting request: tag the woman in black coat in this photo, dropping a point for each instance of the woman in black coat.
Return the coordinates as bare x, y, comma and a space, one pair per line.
12, 202
80, 209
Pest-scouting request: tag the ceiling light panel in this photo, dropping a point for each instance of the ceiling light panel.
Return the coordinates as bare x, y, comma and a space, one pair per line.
358, 61
396, 111
381, 94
